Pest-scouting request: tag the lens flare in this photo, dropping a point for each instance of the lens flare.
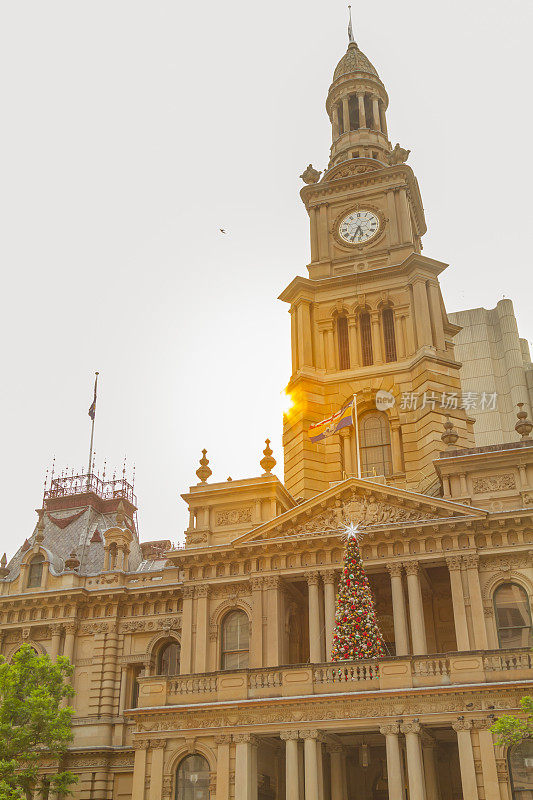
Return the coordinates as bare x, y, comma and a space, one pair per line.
287, 403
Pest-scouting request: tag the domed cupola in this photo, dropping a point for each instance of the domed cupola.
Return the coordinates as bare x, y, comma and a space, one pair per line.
356, 104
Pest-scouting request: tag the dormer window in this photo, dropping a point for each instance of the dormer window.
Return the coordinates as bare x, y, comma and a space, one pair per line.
35, 574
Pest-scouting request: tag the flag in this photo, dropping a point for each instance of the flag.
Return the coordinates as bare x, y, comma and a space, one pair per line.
92, 409
333, 424
350, 29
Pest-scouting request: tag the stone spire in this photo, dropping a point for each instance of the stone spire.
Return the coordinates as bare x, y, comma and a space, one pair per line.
3, 567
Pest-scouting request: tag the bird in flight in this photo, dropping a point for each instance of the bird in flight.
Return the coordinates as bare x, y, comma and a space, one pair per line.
222, 230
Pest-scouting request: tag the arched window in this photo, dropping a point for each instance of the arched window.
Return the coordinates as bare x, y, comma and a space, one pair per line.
35, 574
168, 662
374, 442
366, 339
342, 343
520, 760
235, 640
192, 779
513, 617
388, 334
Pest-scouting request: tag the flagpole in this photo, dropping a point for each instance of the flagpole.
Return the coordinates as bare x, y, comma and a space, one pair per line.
92, 427
356, 429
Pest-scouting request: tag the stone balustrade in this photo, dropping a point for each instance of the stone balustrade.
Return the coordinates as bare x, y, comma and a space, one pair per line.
401, 672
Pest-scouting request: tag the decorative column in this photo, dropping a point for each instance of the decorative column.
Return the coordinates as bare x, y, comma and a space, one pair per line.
489, 769
139, 770
377, 350
476, 602
328, 579
256, 648
375, 113
156, 769
335, 756
458, 601
345, 114
383, 120
294, 318
396, 441
315, 649
291, 765
415, 770
394, 762
56, 638
401, 633
416, 608
399, 327
466, 758
223, 769
186, 632
352, 338
311, 764
202, 628
244, 778
320, 767
346, 445
361, 106
323, 235
70, 636
422, 320
274, 615
429, 747
335, 122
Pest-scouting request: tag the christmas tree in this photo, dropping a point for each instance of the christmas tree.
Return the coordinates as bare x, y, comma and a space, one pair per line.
357, 634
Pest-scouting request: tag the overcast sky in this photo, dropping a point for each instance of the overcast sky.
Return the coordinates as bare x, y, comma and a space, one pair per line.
132, 131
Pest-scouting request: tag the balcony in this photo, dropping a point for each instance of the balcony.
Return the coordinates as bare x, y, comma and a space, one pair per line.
324, 679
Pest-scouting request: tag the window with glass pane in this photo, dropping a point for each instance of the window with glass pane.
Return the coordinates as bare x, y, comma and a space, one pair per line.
169, 659
366, 339
374, 442
235, 640
521, 770
192, 779
388, 334
35, 574
513, 616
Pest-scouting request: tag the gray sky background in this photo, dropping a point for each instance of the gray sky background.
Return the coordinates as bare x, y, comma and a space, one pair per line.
132, 131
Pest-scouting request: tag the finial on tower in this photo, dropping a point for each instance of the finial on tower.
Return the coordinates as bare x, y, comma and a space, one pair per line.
268, 462
204, 472
350, 27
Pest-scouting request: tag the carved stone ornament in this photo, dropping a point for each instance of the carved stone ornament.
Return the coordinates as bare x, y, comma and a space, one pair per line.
398, 156
234, 516
494, 483
310, 174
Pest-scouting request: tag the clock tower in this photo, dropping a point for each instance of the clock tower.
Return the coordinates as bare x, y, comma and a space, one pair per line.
369, 319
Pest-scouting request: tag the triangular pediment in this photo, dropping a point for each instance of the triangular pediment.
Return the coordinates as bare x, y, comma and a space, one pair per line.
361, 502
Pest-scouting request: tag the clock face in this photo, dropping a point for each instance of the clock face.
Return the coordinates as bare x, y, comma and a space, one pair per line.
359, 227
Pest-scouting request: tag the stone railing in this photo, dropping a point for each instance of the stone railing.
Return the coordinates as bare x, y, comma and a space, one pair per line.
401, 672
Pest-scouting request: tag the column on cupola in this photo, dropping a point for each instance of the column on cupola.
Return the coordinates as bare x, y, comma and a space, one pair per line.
375, 113
315, 644
383, 118
416, 608
394, 760
335, 122
415, 767
466, 758
361, 107
458, 602
346, 113
476, 602
402, 213
399, 613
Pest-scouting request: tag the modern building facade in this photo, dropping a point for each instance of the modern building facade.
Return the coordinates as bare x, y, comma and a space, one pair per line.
204, 671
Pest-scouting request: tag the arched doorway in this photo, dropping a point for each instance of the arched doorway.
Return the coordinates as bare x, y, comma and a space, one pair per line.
192, 778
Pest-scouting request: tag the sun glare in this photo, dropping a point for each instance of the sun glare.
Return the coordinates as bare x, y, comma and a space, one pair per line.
287, 403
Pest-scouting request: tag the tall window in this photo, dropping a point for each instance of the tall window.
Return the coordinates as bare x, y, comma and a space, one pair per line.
388, 334
169, 659
513, 617
343, 344
192, 779
374, 441
235, 640
136, 674
520, 762
366, 339
35, 574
